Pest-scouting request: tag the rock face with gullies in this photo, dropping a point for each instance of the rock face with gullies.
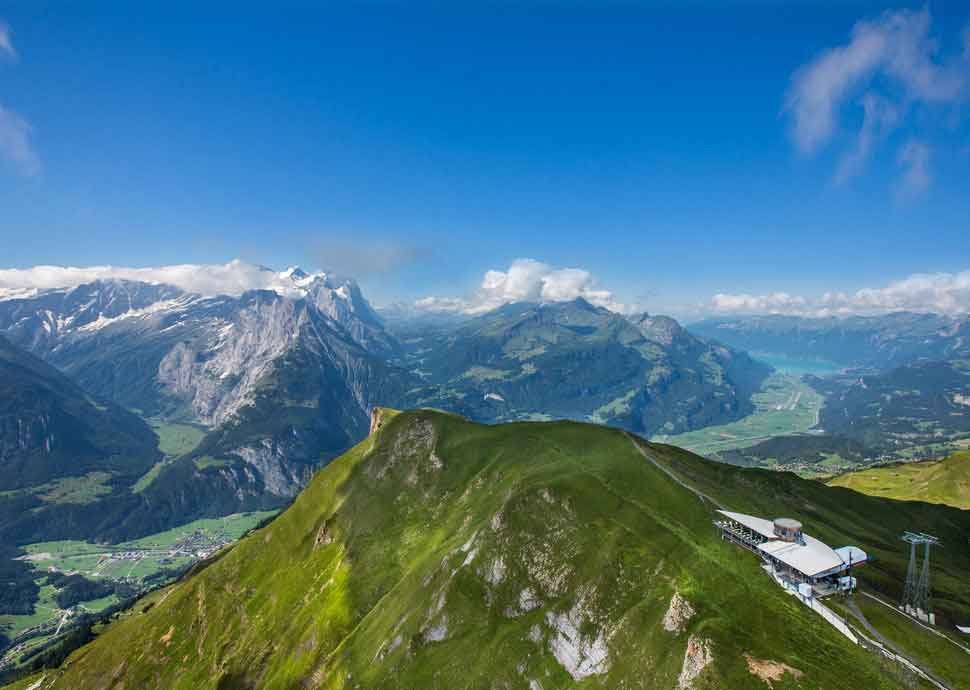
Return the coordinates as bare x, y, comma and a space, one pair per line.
534, 555
284, 379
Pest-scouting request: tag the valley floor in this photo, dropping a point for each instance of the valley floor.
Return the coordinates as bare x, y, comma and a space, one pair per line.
784, 406
141, 563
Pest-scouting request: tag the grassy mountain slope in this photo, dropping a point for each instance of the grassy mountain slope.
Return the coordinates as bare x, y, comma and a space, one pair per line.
841, 516
50, 428
444, 554
945, 481
65, 459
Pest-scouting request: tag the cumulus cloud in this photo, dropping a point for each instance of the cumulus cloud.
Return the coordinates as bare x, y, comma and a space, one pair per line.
526, 280
945, 293
894, 60
6, 42
232, 278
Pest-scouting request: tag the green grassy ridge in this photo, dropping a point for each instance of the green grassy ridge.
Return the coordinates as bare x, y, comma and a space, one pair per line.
399, 538
927, 649
841, 516
944, 481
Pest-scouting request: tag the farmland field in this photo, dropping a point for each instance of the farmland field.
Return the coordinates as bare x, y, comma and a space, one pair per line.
785, 405
177, 439
137, 563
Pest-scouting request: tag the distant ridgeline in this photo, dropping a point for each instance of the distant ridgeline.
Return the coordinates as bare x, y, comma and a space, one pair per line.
877, 342
576, 361
904, 391
281, 381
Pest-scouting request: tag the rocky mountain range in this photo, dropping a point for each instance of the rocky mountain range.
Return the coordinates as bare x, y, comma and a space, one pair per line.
284, 378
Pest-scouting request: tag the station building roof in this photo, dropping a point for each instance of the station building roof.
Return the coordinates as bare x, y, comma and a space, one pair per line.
809, 556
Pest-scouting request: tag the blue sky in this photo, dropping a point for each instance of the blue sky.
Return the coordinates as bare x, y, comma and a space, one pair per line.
418, 146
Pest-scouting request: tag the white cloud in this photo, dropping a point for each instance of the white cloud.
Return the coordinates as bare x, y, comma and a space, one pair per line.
6, 42
526, 280
15, 143
946, 293
232, 278
895, 60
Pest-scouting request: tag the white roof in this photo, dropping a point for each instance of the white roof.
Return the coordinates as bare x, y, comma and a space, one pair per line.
810, 557
852, 554
766, 528
963, 629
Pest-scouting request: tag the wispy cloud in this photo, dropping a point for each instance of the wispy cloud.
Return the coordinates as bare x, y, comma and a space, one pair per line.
914, 158
365, 255
15, 143
945, 293
527, 280
894, 60
15, 131
880, 117
6, 42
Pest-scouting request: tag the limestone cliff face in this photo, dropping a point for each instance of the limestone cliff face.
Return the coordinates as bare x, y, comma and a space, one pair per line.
217, 374
285, 378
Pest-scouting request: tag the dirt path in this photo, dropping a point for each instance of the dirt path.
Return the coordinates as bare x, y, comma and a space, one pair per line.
670, 473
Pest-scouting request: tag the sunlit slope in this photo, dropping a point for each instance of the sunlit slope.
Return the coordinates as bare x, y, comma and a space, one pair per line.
444, 554
946, 481
841, 516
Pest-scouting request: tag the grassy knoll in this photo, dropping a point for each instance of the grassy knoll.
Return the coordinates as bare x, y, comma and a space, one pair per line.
785, 405
944, 481
85, 489
444, 554
177, 439
174, 440
209, 461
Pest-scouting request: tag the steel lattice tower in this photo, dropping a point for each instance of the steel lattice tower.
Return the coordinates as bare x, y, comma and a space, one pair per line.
916, 593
